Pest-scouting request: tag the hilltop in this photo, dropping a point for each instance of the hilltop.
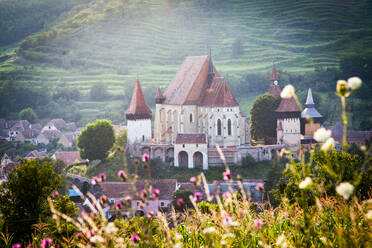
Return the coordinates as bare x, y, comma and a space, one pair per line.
112, 41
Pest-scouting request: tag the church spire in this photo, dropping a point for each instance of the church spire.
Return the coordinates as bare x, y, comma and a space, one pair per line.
138, 108
309, 100
210, 68
274, 88
274, 76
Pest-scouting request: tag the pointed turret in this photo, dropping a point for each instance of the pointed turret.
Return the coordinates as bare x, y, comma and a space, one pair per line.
138, 108
159, 98
310, 111
274, 88
210, 68
310, 119
309, 100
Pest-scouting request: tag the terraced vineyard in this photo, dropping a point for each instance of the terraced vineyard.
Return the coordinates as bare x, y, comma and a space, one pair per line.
112, 41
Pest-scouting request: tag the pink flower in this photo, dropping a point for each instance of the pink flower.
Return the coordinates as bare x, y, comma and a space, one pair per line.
79, 235
143, 193
226, 195
46, 242
122, 175
135, 238
127, 198
95, 180
55, 193
193, 180
260, 187
150, 214
227, 175
18, 245
258, 223
118, 205
180, 202
226, 220
198, 196
102, 176
155, 193
145, 157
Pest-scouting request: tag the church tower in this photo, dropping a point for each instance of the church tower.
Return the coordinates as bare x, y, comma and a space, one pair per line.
288, 116
138, 117
274, 88
310, 119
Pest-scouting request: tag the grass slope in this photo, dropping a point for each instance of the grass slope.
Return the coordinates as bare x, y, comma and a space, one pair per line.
112, 41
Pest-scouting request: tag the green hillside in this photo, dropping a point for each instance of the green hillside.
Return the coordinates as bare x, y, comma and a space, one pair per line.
112, 41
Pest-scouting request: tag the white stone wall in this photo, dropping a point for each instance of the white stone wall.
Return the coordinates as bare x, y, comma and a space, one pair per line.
139, 130
191, 149
291, 134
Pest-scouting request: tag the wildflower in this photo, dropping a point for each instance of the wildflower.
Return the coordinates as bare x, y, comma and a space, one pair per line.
260, 187
226, 220
55, 193
145, 157
97, 239
111, 228
155, 193
226, 195
345, 189
118, 205
95, 180
258, 223
329, 144
369, 215
143, 193
282, 241
135, 238
198, 196
226, 175
79, 235
288, 91
46, 242
342, 89
193, 180
150, 214
180, 202
103, 198
122, 175
322, 134
354, 83
102, 176
323, 239
228, 235
178, 245
306, 183
127, 198
209, 230
18, 245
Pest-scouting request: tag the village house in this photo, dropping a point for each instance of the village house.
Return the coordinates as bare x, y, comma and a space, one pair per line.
70, 158
35, 154
6, 166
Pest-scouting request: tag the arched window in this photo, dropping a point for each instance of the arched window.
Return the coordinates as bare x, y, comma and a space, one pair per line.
229, 127
219, 128
191, 120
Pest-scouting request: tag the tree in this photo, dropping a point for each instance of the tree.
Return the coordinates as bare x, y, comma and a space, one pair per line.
28, 114
96, 140
121, 139
23, 199
263, 120
98, 92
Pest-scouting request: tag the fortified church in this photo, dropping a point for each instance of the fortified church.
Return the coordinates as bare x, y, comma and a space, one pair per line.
198, 112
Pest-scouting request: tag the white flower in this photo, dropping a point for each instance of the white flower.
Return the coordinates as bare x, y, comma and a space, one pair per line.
329, 144
322, 134
209, 230
288, 91
97, 239
345, 190
178, 245
369, 215
228, 235
306, 183
120, 240
111, 228
354, 83
282, 241
323, 239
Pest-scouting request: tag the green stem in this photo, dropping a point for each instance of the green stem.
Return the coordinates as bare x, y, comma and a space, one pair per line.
344, 119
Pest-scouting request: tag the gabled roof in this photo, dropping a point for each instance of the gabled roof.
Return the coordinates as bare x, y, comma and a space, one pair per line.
35, 154
189, 82
51, 134
288, 105
20, 125
5, 158
191, 138
58, 123
138, 107
69, 157
30, 133
219, 94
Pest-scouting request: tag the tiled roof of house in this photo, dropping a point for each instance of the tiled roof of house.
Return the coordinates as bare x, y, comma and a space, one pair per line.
288, 105
274, 90
30, 133
191, 138
51, 134
20, 125
121, 189
35, 154
358, 136
36, 126
4, 158
58, 123
69, 157
189, 82
138, 107
219, 94
8, 168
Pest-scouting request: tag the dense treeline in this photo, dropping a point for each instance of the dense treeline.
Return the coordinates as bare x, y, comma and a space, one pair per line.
20, 18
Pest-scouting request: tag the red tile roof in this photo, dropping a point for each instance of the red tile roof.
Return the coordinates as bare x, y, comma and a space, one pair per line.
274, 76
191, 138
219, 94
69, 157
274, 90
138, 107
288, 105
